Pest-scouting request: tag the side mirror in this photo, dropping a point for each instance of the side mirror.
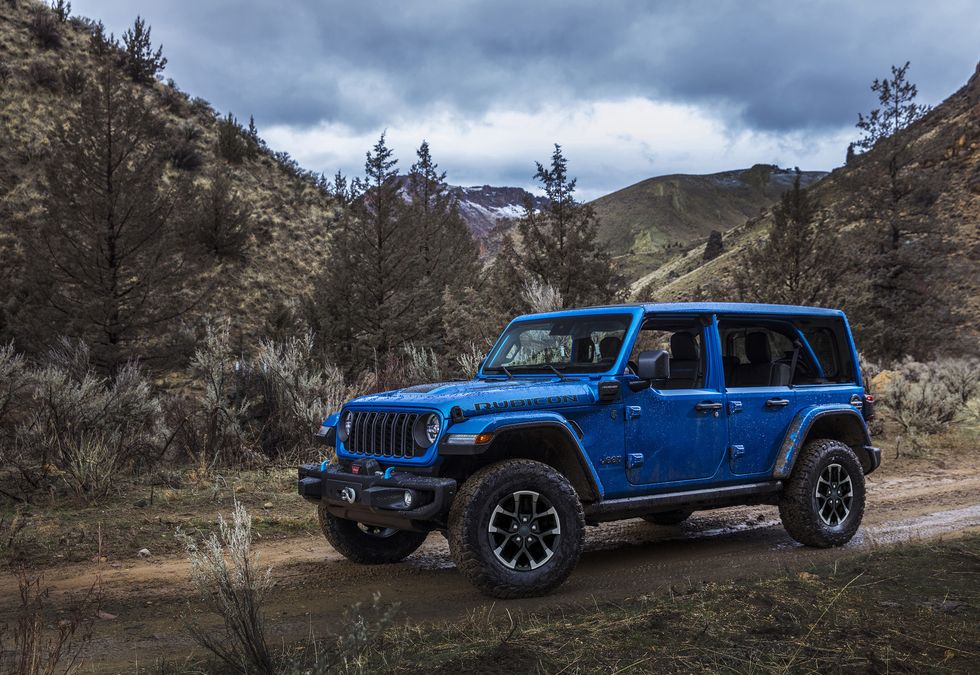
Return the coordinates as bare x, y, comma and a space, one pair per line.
653, 365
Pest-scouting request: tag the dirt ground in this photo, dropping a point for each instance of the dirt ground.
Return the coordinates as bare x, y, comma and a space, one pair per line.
150, 598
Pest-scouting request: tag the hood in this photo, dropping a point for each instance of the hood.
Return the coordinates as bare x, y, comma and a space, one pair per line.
483, 396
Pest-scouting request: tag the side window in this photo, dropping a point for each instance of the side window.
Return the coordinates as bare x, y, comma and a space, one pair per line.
683, 340
755, 354
824, 346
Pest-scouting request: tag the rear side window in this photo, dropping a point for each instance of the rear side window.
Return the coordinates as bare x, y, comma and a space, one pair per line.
824, 345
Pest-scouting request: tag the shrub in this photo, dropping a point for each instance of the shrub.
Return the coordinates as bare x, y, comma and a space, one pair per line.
71, 424
4, 74
927, 398
469, 360
44, 28
232, 142
209, 424
541, 297
296, 391
226, 576
422, 365
73, 79
62, 10
43, 75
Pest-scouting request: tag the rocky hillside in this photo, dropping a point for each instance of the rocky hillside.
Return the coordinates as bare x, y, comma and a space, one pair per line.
942, 170
39, 80
649, 223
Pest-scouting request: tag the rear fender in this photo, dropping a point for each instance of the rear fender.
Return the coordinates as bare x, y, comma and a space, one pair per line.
840, 422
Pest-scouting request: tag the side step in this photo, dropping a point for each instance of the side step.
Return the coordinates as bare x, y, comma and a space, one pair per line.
695, 500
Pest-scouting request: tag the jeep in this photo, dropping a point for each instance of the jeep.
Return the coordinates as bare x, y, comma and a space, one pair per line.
604, 413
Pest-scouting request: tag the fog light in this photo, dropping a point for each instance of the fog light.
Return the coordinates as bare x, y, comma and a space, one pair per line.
408, 498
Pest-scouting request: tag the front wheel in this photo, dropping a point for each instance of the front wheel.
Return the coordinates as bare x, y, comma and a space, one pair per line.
516, 529
367, 544
823, 501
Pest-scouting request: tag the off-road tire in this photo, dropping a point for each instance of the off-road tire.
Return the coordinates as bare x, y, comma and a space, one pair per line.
367, 549
798, 504
469, 519
668, 518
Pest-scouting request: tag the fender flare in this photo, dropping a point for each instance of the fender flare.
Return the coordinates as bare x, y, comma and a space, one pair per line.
500, 424
853, 427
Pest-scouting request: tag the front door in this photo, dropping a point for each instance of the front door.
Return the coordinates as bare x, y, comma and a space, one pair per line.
677, 430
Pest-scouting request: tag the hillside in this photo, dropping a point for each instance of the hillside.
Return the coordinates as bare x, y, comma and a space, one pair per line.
291, 215
641, 221
942, 172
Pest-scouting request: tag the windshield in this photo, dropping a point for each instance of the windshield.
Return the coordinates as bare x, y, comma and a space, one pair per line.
582, 344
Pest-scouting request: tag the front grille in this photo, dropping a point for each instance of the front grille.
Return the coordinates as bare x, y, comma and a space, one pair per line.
384, 434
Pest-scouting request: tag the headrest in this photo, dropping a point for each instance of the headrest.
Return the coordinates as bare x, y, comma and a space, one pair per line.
609, 347
584, 350
683, 347
757, 348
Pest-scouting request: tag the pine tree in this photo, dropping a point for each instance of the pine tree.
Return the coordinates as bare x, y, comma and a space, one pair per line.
140, 61
221, 217
560, 243
899, 109
796, 263
107, 258
446, 251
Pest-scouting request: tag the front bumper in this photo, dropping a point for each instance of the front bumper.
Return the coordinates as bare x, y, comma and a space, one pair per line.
373, 499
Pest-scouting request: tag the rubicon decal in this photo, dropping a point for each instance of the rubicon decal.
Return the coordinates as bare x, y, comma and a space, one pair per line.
526, 402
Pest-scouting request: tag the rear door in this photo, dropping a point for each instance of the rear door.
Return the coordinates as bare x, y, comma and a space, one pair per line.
757, 355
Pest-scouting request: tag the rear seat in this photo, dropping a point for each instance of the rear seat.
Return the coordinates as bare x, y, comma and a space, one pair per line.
761, 370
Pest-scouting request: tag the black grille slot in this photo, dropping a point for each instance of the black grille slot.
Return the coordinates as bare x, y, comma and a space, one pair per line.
383, 434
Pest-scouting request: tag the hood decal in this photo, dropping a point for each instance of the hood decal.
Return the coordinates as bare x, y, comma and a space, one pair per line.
526, 402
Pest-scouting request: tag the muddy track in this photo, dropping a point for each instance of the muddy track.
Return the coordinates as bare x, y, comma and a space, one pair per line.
314, 584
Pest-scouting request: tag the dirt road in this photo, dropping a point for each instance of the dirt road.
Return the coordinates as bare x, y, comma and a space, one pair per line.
314, 584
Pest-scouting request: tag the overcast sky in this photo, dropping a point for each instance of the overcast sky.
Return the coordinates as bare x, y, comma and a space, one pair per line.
630, 89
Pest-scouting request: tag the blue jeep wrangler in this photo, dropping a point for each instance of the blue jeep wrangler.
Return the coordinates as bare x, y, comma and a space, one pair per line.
597, 414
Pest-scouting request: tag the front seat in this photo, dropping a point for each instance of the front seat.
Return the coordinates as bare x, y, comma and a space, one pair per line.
609, 348
685, 361
761, 370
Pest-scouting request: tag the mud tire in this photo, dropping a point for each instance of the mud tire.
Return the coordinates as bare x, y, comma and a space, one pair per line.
469, 518
668, 518
362, 547
798, 504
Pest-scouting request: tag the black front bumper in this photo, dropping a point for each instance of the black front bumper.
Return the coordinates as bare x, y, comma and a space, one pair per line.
374, 500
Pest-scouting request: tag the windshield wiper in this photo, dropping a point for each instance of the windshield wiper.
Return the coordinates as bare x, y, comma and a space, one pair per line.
557, 372
510, 375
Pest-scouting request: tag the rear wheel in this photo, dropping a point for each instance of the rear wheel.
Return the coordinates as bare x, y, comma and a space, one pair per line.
668, 517
823, 501
516, 529
368, 544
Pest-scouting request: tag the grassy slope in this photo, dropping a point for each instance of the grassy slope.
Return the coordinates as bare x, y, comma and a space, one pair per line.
290, 237
945, 146
641, 220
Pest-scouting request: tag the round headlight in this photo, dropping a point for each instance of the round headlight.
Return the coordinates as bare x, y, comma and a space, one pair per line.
346, 423
432, 428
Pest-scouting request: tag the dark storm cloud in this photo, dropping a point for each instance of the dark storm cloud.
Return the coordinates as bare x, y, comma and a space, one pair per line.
766, 65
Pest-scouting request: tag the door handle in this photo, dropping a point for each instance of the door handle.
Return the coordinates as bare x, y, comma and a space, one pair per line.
777, 403
705, 406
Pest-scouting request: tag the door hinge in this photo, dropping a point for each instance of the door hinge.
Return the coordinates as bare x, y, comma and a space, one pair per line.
634, 460
633, 411
737, 451
734, 407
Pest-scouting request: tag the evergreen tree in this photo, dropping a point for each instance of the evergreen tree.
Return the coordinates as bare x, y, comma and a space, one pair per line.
898, 108
560, 243
221, 217
107, 262
446, 251
796, 263
140, 61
